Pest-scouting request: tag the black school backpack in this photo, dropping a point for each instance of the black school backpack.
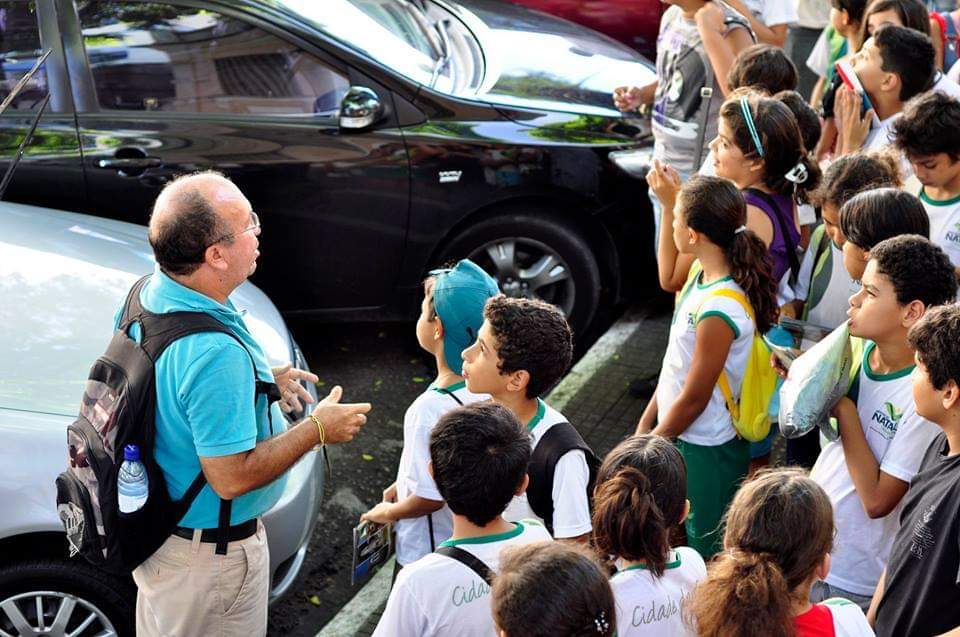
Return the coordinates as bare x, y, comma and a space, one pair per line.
555, 443
119, 408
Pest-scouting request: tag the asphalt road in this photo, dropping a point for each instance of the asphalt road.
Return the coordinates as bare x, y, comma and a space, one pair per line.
382, 364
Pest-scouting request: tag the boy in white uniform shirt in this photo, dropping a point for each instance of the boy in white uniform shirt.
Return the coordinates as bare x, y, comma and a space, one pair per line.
450, 315
524, 347
882, 439
929, 136
478, 455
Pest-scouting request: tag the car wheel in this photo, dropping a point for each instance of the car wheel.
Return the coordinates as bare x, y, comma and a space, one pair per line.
52, 597
535, 256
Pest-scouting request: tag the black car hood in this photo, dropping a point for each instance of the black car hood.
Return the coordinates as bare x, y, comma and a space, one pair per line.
538, 61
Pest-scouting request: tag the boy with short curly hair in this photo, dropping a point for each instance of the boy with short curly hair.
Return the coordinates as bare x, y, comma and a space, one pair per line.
882, 437
523, 348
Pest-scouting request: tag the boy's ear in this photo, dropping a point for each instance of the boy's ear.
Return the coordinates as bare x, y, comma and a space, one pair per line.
522, 487
913, 312
519, 380
951, 395
437, 328
890, 83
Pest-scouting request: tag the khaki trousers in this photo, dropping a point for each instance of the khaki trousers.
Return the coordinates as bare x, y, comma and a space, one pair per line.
186, 589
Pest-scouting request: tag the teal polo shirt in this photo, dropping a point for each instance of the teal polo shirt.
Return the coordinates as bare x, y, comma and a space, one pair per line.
205, 387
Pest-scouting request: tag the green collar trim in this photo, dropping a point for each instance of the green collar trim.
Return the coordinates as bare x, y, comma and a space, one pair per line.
643, 567
701, 286
487, 539
872, 375
450, 388
934, 202
541, 412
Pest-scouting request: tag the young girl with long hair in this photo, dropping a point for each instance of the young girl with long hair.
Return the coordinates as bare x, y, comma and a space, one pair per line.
711, 334
639, 499
759, 147
779, 532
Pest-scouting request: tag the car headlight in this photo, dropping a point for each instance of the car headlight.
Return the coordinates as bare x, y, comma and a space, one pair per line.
636, 162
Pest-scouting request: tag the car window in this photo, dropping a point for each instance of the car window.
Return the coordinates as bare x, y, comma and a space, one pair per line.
19, 50
157, 57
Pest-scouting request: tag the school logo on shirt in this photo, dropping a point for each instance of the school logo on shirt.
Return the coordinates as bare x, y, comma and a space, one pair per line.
691, 320
887, 418
953, 236
923, 538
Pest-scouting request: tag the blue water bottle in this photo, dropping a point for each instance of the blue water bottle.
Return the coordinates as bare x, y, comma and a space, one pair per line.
132, 487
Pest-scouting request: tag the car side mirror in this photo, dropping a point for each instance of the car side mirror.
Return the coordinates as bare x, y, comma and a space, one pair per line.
360, 108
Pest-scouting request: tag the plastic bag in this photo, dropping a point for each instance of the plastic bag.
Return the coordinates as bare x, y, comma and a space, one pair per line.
816, 381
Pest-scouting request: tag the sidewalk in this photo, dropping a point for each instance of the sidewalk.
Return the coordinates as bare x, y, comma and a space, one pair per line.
594, 396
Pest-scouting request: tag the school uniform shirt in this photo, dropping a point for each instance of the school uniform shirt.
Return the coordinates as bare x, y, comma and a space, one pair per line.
571, 509
922, 586
898, 438
944, 224
438, 595
413, 478
834, 617
772, 12
650, 605
946, 86
677, 105
879, 137
713, 426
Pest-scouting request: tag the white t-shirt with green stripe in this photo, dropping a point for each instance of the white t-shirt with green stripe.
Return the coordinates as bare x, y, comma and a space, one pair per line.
713, 427
898, 438
649, 605
944, 224
438, 595
413, 478
571, 508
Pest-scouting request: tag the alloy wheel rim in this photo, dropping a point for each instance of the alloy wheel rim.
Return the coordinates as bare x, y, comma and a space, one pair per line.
527, 268
52, 613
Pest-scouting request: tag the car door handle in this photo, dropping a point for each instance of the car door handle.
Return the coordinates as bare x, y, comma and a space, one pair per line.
129, 162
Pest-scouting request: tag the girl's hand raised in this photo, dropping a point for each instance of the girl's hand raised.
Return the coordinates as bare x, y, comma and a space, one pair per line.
664, 180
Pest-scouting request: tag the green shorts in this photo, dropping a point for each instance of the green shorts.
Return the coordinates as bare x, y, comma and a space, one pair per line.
713, 477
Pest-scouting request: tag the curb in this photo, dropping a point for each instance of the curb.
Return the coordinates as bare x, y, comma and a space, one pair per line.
370, 599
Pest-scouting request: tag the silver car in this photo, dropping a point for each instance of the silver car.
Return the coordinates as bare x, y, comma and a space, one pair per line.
62, 277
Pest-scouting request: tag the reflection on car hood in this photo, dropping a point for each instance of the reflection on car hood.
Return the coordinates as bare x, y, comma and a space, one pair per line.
62, 278
541, 61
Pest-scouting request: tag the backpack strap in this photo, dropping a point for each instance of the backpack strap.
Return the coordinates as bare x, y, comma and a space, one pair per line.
444, 390
132, 308
555, 443
723, 382
788, 241
822, 240
469, 560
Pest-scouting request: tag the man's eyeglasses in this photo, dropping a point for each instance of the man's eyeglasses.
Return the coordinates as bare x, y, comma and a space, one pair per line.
254, 225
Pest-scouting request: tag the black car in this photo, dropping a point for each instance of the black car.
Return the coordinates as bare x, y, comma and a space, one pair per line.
376, 139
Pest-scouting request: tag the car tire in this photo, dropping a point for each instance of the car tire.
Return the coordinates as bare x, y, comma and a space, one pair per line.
522, 249
75, 587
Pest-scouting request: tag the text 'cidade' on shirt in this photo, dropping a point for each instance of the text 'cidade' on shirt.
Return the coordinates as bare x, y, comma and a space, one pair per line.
438, 595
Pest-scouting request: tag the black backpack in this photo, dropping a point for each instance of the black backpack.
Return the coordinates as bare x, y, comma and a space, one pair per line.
555, 443
119, 408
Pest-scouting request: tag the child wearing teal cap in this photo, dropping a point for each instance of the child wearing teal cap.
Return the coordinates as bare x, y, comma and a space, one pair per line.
450, 317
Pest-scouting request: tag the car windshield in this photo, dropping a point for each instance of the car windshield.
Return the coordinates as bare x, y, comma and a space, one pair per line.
418, 40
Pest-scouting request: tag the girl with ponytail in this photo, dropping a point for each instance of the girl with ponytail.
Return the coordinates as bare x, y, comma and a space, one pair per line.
639, 499
779, 532
711, 332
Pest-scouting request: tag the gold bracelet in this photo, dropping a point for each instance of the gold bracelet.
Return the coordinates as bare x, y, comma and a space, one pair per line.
323, 436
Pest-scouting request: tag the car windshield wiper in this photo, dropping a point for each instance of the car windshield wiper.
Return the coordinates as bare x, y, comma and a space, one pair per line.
7, 176
444, 59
